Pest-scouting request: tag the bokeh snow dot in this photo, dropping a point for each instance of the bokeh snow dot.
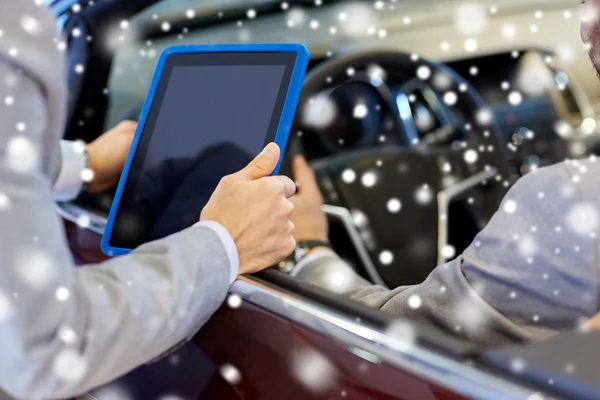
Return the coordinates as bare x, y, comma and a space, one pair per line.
470, 156
4, 202
423, 72
62, 294
424, 195
34, 266
22, 156
69, 365
394, 205
386, 257
313, 370
348, 175
360, 111
403, 332
470, 18
6, 309
369, 179
231, 374
510, 206
234, 301
415, 302
583, 219
30, 25
67, 335
450, 98
448, 251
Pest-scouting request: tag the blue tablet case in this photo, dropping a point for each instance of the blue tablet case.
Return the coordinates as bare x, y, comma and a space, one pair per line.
283, 130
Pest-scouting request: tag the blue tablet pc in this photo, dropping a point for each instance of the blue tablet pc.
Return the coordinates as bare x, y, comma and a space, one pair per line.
210, 110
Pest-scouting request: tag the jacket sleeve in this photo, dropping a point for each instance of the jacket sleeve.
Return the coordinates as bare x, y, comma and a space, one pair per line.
64, 330
530, 273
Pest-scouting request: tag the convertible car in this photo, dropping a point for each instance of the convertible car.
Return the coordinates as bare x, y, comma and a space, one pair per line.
436, 108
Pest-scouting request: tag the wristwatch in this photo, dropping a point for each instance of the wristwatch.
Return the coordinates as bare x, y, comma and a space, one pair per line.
302, 248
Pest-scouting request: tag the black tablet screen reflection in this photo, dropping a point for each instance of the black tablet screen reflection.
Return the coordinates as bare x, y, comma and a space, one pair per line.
204, 126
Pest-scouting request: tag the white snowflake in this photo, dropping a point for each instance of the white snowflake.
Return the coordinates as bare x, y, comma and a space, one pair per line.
22, 155
4, 202
359, 218
470, 18
6, 310
360, 111
62, 293
415, 302
404, 333
583, 218
510, 206
295, 17
348, 175
386, 257
450, 98
313, 370
515, 98
251, 13
470, 156
319, 112
448, 252
394, 205
34, 267
234, 301
83, 221
471, 45
369, 179
484, 116
509, 31
69, 365
517, 365
355, 17
588, 126
87, 175
79, 69
423, 72
67, 335
424, 195
527, 246
30, 25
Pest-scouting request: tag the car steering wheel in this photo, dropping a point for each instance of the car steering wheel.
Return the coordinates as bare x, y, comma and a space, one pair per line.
399, 196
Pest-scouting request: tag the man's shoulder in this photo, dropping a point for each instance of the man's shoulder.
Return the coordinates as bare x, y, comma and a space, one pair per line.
580, 174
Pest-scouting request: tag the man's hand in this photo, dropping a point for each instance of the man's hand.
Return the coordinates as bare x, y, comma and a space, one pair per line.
254, 209
593, 324
107, 156
308, 217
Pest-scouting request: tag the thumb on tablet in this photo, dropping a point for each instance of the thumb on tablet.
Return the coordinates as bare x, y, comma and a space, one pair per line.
263, 164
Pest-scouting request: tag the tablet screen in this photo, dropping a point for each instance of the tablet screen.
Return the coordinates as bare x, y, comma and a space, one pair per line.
211, 114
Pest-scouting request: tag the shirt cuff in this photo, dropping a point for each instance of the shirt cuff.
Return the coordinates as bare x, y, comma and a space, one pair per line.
228, 243
312, 257
69, 183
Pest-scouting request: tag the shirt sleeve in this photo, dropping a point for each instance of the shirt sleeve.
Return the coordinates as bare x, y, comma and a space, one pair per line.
68, 184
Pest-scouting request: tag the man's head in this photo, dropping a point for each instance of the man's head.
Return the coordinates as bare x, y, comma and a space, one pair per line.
590, 30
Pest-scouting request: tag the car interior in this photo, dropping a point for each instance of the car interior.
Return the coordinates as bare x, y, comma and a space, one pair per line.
434, 108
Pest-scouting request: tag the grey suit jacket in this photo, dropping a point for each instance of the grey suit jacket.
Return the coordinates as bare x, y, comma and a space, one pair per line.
532, 272
64, 330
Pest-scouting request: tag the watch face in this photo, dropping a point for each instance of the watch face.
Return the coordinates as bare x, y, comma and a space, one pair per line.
286, 266
298, 254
